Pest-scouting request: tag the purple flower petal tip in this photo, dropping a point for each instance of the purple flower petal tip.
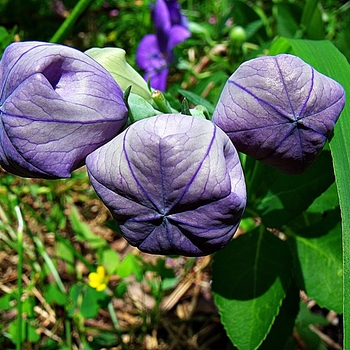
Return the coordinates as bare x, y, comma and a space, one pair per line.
173, 182
280, 110
56, 106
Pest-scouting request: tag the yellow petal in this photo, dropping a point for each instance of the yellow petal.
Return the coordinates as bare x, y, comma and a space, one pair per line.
101, 287
101, 272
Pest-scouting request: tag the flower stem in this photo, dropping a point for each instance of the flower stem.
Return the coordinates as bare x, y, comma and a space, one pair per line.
19, 276
116, 324
63, 30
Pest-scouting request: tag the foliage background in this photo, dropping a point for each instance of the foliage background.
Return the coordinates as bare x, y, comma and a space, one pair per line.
68, 232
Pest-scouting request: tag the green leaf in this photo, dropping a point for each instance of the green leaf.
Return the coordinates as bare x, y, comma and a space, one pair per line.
110, 259
197, 100
83, 231
283, 326
6, 301
250, 280
130, 266
328, 200
308, 11
319, 253
311, 20
139, 109
92, 302
288, 19
32, 336
54, 295
302, 326
327, 59
74, 296
306, 318
279, 198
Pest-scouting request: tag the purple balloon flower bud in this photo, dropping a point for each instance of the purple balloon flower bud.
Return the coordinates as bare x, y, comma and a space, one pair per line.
173, 182
56, 106
279, 110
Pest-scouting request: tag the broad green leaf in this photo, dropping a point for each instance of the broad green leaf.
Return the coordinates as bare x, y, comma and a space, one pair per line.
319, 253
279, 198
309, 8
327, 59
250, 279
315, 28
288, 19
328, 200
283, 326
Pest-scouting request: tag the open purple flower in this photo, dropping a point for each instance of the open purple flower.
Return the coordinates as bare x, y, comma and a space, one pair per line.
155, 52
279, 110
56, 106
173, 182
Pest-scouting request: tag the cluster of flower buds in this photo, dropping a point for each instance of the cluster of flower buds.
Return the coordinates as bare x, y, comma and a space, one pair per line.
173, 182
155, 51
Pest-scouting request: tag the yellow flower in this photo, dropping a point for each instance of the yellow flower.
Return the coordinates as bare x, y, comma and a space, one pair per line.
99, 279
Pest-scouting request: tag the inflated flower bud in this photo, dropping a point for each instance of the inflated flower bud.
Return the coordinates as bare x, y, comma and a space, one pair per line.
113, 59
173, 182
56, 106
280, 110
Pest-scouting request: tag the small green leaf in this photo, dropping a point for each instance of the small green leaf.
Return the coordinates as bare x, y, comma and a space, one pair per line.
92, 302
130, 266
83, 231
185, 109
33, 336
250, 279
110, 259
74, 296
197, 100
54, 295
6, 301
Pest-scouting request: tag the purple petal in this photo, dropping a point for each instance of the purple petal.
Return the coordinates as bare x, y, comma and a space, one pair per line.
176, 16
279, 110
150, 59
162, 22
148, 54
57, 106
177, 35
158, 78
173, 182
